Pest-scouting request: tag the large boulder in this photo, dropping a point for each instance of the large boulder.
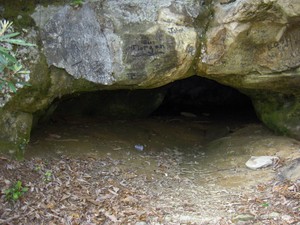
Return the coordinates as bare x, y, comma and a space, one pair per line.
137, 43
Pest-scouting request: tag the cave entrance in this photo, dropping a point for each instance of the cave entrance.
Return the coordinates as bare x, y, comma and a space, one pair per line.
191, 98
184, 114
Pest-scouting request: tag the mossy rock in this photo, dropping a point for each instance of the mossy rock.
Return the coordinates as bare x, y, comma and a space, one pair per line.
280, 112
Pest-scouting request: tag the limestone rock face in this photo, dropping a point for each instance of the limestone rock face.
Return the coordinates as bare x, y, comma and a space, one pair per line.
252, 37
114, 42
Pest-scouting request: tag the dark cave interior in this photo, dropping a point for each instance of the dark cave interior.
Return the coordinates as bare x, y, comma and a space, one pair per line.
202, 96
191, 97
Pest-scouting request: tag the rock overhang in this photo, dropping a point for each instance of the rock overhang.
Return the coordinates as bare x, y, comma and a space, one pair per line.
121, 43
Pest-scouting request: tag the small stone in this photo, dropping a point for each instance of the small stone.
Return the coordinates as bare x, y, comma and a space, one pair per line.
141, 223
257, 162
272, 215
244, 217
139, 147
7, 182
289, 219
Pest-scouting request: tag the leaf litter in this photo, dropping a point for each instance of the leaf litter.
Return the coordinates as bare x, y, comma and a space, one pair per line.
152, 187
106, 191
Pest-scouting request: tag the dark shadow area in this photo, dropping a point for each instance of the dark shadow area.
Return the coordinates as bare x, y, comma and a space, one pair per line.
194, 97
198, 97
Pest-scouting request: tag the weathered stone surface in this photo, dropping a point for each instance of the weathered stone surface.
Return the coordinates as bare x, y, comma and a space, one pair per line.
254, 46
15, 130
121, 42
245, 37
291, 171
279, 111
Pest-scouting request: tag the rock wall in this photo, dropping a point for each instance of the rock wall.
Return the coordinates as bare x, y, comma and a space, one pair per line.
253, 46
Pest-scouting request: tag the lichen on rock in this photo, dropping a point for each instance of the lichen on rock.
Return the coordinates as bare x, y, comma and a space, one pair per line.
280, 112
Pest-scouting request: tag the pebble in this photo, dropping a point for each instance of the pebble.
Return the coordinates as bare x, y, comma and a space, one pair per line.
141, 223
244, 217
139, 147
288, 219
258, 162
272, 215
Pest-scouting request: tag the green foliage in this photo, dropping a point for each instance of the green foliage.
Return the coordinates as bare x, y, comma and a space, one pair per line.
16, 191
37, 168
48, 176
12, 74
76, 3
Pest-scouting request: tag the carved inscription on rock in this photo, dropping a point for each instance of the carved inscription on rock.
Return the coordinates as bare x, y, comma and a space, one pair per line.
175, 30
145, 46
284, 54
154, 53
138, 50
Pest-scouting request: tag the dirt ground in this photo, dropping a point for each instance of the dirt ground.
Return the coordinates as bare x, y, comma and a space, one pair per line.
170, 171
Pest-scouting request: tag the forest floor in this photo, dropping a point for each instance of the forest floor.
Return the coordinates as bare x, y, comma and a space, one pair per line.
148, 177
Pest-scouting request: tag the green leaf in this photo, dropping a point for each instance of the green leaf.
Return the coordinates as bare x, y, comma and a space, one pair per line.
3, 49
10, 68
24, 72
16, 67
19, 42
77, 2
8, 56
18, 184
12, 86
8, 36
3, 60
15, 196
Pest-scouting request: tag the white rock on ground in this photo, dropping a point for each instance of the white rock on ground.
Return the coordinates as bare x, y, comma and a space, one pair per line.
257, 162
